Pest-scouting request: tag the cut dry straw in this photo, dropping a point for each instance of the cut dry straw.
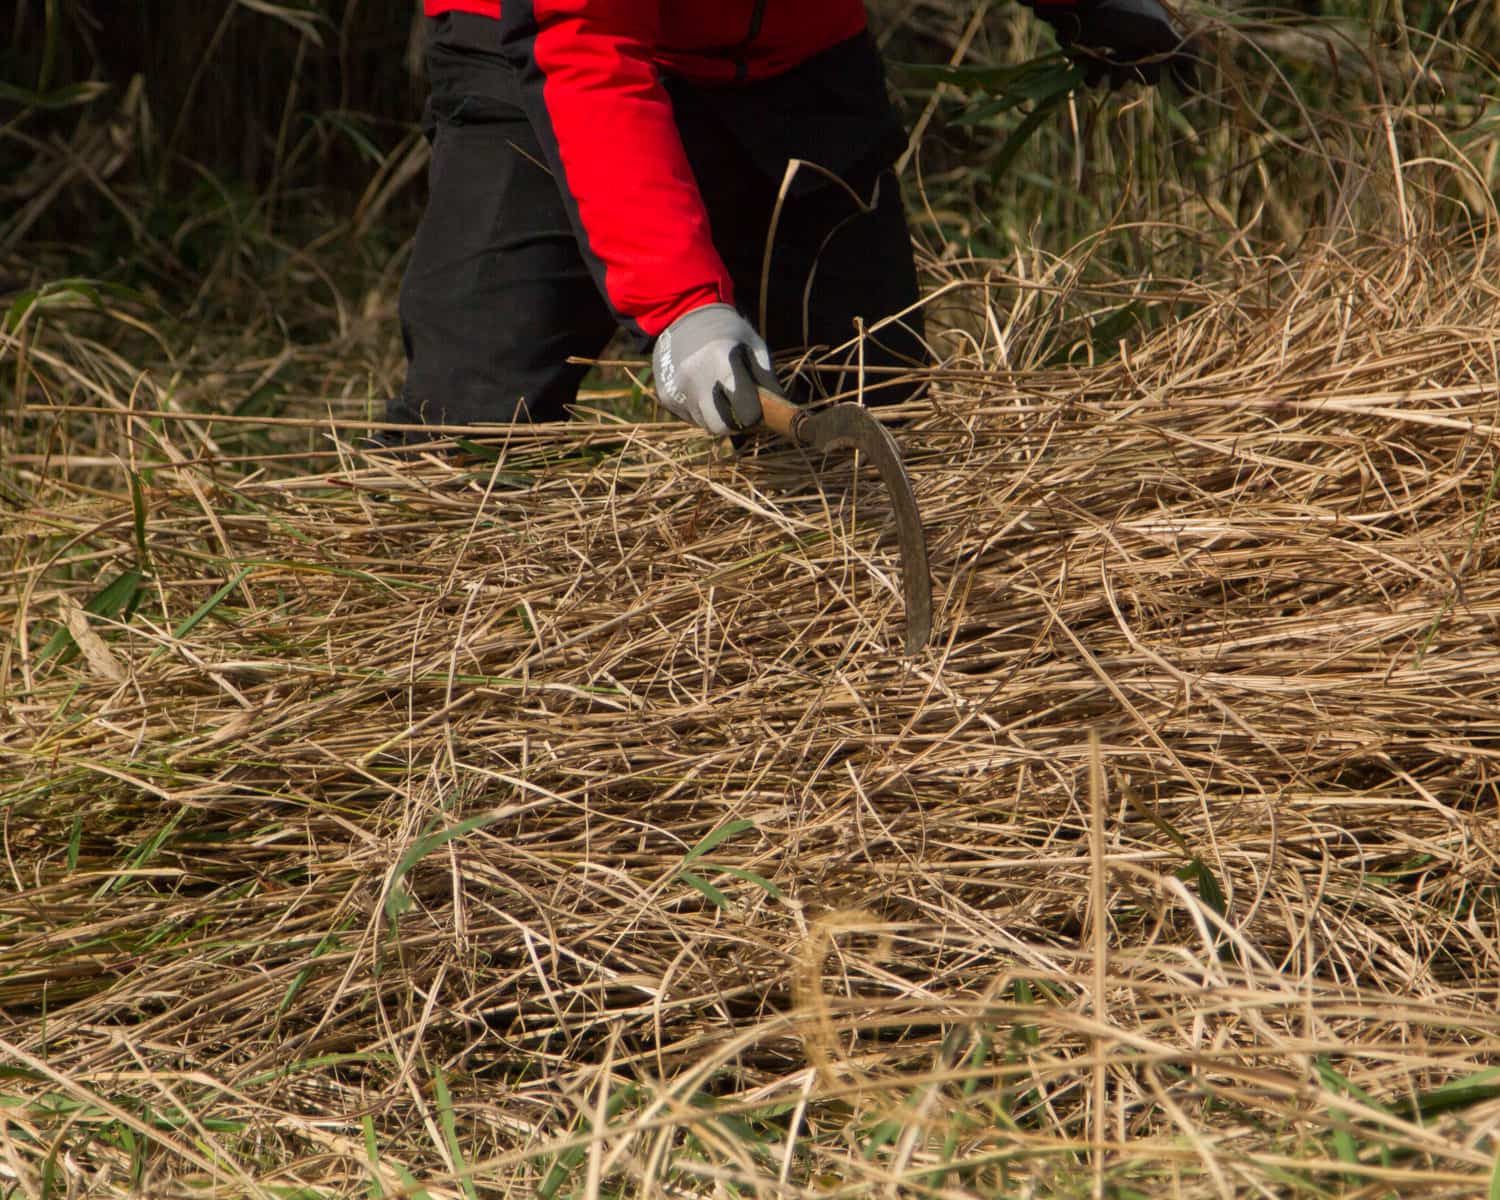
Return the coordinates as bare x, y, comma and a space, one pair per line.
570, 821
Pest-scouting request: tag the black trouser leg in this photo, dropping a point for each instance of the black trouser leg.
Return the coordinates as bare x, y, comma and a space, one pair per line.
496, 297
835, 259
831, 265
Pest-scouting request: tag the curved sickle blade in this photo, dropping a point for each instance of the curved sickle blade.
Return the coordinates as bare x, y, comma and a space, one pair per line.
852, 425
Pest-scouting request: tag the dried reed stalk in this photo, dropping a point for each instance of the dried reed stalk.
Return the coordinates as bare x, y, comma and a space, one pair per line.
579, 803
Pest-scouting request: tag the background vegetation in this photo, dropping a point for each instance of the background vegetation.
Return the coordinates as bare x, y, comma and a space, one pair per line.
557, 820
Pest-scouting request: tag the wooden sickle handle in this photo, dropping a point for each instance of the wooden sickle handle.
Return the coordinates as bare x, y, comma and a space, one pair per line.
780, 414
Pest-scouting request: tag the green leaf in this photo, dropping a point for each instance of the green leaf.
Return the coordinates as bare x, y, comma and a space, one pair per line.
136, 1149
978, 1056
1024, 994
1335, 1082
329, 940
1022, 133
144, 853
119, 594
138, 514
517, 480
409, 1186
478, 449
566, 1160
21, 305
355, 130
186, 626
1202, 877
372, 1154
64, 293
397, 901
981, 79
721, 834
1106, 332
1209, 890
50, 40
882, 1135
450, 1131
1455, 1094
1343, 1146
1045, 88
262, 402
759, 881
979, 114
697, 881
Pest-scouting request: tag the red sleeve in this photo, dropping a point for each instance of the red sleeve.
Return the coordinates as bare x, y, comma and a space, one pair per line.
601, 111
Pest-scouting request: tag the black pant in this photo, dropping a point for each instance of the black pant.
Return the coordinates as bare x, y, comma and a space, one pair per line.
497, 297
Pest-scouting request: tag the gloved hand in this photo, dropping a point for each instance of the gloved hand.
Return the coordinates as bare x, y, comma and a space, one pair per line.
1123, 40
708, 364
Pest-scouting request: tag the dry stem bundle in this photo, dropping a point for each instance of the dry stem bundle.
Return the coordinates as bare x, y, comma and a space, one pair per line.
570, 821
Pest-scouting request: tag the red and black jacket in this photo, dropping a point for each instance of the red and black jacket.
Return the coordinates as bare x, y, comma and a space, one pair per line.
590, 71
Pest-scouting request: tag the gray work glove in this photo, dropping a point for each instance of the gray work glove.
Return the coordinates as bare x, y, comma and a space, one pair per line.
708, 364
1120, 41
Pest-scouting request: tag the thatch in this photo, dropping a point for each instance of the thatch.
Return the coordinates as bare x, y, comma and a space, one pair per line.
371, 847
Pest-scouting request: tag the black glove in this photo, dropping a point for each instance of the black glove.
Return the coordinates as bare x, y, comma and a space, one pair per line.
1125, 41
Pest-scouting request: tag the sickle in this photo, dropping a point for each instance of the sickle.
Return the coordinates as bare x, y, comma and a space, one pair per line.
852, 425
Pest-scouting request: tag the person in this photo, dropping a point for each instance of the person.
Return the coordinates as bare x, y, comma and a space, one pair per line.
620, 163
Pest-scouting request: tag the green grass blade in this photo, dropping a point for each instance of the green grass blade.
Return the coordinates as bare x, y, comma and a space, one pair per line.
716, 897
67, 96
138, 516
187, 625
759, 881
1063, 83
1455, 1094
372, 1155
396, 899
329, 940
565, 1162
450, 1132
721, 834
75, 840
1336, 1082
143, 854
117, 595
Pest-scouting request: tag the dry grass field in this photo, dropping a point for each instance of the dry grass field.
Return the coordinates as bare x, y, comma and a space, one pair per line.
563, 819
